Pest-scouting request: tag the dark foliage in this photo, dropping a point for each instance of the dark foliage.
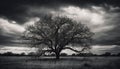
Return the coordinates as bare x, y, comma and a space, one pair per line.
12, 54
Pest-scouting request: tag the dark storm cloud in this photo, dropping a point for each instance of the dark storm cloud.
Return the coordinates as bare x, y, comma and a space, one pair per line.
111, 37
16, 10
4, 40
12, 10
7, 40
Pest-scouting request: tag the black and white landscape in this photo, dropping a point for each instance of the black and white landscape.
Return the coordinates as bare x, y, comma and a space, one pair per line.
59, 34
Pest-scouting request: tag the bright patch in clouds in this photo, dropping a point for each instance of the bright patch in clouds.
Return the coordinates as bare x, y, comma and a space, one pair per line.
10, 27
84, 15
93, 18
31, 21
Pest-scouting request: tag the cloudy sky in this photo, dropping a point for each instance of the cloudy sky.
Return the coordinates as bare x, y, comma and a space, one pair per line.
101, 16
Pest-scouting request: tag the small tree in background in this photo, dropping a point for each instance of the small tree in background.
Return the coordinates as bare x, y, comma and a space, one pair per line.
54, 34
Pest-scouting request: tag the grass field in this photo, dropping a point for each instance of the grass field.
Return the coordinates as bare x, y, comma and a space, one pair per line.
20, 62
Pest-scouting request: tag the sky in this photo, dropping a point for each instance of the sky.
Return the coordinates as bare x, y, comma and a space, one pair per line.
101, 16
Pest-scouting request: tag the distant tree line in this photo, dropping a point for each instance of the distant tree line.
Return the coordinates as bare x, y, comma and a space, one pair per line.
62, 54
91, 54
12, 54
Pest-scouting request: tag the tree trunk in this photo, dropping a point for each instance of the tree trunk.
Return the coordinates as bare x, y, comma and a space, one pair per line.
57, 55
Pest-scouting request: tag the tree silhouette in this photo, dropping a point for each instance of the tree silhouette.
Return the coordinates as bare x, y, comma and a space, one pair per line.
22, 54
63, 54
118, 54
54, 34
106, 54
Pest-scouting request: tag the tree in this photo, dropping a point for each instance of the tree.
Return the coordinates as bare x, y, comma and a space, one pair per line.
118, 54
31, 54
8, 54
63, 54
73, 54
106, 54
22, 54
54, 34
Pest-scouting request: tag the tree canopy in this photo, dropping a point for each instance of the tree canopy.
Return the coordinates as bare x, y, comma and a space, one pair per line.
56, 33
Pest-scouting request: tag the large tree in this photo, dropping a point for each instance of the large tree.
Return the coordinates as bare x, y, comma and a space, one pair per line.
54, 34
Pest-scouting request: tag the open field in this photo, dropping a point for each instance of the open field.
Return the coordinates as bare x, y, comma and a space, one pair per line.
12, 62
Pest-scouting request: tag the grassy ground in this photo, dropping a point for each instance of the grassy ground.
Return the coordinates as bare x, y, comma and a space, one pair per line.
63, 63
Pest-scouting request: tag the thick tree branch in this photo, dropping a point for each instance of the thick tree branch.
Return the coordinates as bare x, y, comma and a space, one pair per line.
74, 49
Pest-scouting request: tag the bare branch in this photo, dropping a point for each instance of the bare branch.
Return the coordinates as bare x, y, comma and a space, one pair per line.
75, 50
